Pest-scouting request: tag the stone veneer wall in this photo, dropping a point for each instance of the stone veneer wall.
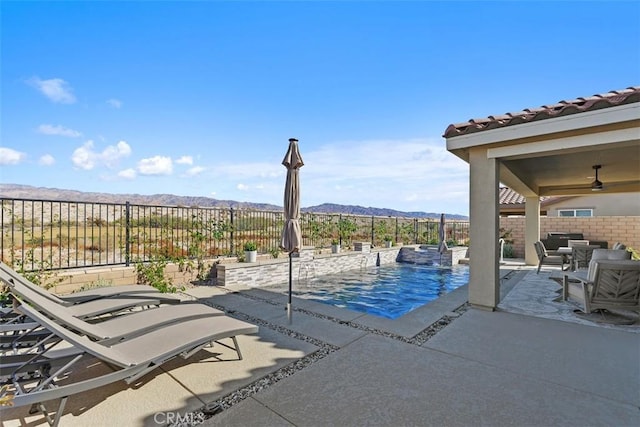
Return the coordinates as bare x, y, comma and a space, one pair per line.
612, 229
306, 262
309, 264
269, 271
428, 254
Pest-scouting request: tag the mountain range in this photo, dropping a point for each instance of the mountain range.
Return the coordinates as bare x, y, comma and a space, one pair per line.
17, 191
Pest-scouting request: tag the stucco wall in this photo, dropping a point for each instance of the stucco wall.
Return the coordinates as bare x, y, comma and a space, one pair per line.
627, 204
625, 229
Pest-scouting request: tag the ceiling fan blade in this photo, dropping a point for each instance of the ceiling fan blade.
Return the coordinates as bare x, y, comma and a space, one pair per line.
621, 186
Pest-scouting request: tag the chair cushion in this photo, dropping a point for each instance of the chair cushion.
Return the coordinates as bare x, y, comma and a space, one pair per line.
605, 254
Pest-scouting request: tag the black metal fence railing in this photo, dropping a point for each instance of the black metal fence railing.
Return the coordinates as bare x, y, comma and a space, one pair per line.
52, 234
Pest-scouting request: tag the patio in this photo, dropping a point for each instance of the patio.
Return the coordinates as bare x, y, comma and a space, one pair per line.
529, 363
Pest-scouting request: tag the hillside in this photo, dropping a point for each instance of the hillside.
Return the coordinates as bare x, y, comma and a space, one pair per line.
42, 193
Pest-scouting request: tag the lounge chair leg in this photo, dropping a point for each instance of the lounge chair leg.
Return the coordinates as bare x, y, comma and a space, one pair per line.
235, 343
53, 422
235, 347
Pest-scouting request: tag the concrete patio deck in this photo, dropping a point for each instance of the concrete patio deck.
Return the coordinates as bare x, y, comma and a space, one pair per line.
533, 363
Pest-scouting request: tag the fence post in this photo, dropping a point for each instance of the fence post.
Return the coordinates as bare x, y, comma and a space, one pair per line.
127, 234
232, 233
372, 232
396, 229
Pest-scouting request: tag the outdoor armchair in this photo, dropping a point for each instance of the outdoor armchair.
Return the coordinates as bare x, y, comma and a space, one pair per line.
545, 259
611, 284
581, 255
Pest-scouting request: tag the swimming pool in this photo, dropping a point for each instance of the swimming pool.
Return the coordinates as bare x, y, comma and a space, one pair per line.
388, 291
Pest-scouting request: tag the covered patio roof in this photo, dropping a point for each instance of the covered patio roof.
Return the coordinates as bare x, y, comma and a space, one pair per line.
551, 150
544, 151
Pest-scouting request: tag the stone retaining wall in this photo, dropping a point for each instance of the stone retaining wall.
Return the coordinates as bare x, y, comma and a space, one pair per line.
268, 271
428, 254
307, 264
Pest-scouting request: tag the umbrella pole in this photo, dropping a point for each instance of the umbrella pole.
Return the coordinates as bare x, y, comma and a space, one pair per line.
290, 278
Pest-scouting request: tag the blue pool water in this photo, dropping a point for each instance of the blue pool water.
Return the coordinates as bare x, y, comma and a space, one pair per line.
388, 291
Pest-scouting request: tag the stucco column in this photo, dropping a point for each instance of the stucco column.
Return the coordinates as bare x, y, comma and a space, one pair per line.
531, 229
484, 273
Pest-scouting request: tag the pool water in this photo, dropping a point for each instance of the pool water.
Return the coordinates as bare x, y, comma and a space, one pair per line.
388, 291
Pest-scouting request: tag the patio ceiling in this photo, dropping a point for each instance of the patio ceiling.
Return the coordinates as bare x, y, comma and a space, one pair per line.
553, 149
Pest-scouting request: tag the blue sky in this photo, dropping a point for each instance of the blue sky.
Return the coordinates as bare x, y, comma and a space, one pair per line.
200, 98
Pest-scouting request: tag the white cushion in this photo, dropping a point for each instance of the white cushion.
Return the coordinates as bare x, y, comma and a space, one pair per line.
572, 243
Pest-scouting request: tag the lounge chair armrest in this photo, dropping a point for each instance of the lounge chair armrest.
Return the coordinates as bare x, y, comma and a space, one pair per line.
576, 277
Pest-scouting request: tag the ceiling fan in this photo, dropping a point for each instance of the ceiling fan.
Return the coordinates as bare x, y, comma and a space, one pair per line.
595, 185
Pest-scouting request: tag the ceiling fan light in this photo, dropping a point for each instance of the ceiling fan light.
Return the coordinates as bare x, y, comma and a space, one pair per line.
596, 186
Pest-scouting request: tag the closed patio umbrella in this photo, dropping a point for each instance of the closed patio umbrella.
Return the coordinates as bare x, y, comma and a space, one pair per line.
291, 233
442, 246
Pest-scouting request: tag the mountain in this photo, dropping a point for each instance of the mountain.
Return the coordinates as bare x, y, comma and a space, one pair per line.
361, 210
17, 191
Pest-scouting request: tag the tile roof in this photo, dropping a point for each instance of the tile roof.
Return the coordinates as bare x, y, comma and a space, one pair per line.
509, 197
562, 108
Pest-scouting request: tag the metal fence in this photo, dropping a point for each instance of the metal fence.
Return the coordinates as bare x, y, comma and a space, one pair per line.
53, 234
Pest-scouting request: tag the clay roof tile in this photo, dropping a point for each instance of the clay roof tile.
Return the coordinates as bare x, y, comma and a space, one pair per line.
561, 108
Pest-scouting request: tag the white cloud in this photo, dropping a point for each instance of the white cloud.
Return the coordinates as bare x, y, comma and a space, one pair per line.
185, 160
157, 165
85, 157
409, 175
46, 160
112, 154
416, 174
58, 130
9, 156
57, 90
196, 170
127, 173
115, 103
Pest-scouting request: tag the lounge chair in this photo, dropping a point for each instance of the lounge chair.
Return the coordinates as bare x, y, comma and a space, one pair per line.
545, 259
19, 334
132, 358
611, 284
114, 328
107, 304
90, 294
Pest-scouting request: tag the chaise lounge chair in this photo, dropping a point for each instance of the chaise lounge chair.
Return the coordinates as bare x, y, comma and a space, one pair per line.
131, 358
112, 328
107, 304
90, 294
